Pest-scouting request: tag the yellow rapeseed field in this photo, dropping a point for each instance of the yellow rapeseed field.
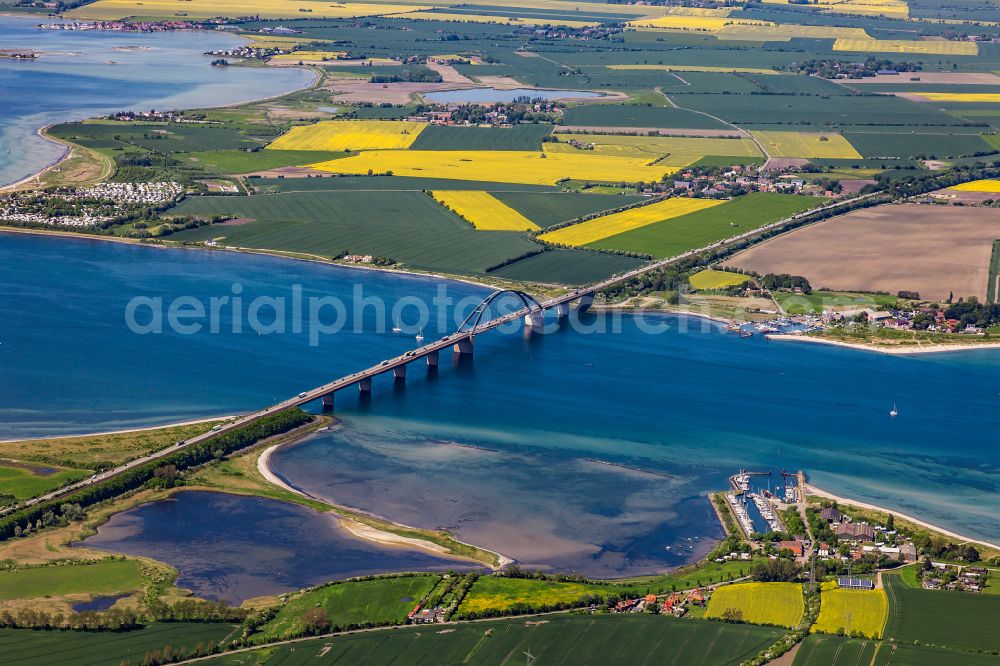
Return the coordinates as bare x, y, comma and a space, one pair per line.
502, 166
852, 610
696, 68
989, 185
890, 8
603, 227
117, 9
989, 98
701, 23
922, 47
807, 144
760, 603
489, 18
278, 41
349, 135
485, 211
712, 279
307, 56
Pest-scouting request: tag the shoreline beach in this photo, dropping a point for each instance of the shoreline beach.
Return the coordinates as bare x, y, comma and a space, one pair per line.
901, 350
819, 492
367, 532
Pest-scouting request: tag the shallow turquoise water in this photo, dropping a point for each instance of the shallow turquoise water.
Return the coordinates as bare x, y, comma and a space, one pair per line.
688, 405
73, 80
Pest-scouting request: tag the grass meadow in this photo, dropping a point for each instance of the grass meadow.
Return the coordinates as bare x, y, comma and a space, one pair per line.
109, 576
22, 481
380, 600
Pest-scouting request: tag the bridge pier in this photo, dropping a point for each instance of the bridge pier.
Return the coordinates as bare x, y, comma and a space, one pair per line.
328, 402
399, 374
464, 346
534, 320
432, 359
585, 302
365, 385
562, 310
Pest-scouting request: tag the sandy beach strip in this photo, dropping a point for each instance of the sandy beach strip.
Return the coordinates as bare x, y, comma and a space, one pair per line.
813, 490
360, 530
901, 350
123, 432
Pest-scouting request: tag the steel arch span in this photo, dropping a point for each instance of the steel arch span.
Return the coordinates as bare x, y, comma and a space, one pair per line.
477, 314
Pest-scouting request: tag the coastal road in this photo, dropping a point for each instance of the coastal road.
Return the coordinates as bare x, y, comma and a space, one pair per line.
389, 365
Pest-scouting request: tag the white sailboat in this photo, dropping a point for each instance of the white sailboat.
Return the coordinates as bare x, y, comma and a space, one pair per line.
420, 335
894, 411
396, 328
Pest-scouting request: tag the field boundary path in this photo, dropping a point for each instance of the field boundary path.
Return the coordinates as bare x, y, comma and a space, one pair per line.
763, 150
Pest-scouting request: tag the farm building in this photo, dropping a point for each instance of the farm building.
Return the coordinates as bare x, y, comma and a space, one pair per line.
855, 583
830, 514
861, 532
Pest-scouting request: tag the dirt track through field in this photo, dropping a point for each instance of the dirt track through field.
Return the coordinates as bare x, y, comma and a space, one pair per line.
933, 250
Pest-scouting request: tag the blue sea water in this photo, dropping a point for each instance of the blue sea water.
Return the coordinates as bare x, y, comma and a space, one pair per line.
510, 451
74, 79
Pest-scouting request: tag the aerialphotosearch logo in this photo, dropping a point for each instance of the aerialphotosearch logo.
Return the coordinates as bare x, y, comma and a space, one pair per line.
315, 315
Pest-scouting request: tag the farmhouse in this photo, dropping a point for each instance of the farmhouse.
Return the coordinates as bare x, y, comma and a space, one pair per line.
794, 546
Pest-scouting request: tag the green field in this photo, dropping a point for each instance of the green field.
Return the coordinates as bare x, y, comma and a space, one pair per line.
819, 650
408, 227
609, 115
23, 480
547, 209
818, 301
958, 620
554, 639
27, 647
777, 604
160, 137
104, 577
566, 266
853, 611
877, 144
240, 161
445, 137
704, 227
379, 601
